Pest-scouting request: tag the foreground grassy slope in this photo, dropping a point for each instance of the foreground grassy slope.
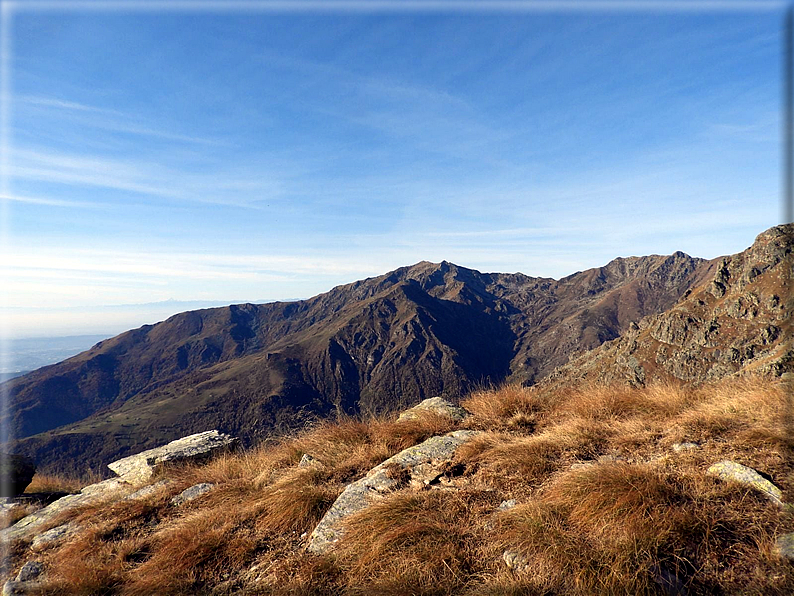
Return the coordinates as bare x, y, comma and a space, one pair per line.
635, 512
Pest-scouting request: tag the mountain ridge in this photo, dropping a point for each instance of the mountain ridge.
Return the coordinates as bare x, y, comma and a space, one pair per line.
370, 346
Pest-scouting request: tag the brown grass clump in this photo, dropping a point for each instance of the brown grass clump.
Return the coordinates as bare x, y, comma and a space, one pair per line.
419, 543
45, 483
512, 407
605, 505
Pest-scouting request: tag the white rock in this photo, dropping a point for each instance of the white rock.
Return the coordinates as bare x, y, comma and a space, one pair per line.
139, 468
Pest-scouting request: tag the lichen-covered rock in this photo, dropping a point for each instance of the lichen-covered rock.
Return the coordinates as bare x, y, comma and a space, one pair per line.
730, 470
16, 472
194, 492
54, 535
139, 468
437, 405
434, 452
30, 571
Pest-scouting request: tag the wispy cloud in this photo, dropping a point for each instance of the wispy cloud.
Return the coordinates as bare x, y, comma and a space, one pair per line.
49, 202
108, 119
231, 185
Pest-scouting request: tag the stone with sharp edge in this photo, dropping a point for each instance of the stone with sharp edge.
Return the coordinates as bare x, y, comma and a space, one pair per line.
730, 470
199, 447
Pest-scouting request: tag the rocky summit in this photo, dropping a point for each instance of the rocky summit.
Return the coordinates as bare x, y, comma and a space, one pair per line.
386, 343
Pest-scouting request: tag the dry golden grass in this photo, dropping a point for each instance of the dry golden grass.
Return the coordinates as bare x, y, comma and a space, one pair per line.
615, 526
44, 483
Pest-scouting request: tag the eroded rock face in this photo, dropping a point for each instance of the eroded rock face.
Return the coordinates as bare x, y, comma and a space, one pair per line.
139, 468
735, 323
437, 405
423, 462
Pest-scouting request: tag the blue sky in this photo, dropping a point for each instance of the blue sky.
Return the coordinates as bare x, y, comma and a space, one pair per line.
225, 156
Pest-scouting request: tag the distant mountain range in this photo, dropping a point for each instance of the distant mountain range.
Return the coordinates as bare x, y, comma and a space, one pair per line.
384, 343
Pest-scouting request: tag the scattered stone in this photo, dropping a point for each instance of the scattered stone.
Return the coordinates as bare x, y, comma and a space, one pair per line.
784, 546
16, 472
730, 470
505, 505
194, 492
200, 447
380, 480
582, 465
30, 571
679, 447
54, 535
515, 560
307, 461
438, 405
608, 459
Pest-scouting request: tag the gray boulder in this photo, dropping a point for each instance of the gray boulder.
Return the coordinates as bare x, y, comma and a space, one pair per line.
421, 462
200, 447
437, 405
16, 472
30, 571
730, 470
194, 492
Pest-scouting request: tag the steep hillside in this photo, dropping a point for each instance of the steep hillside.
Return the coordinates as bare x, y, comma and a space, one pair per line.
738, 320
370, 346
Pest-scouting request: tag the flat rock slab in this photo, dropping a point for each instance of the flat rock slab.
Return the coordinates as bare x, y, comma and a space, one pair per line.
30, 524
358, 495
194, 492
141, 467
438, 405
730, 470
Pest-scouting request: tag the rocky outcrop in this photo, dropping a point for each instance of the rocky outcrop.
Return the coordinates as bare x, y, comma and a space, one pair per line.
737, 322
421, 463
437, 405
134, 471
200, 447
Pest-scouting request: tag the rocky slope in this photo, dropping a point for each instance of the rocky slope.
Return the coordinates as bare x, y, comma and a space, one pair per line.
738, 320
371, 346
